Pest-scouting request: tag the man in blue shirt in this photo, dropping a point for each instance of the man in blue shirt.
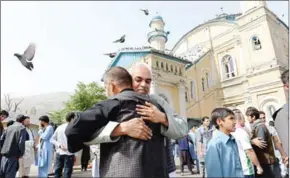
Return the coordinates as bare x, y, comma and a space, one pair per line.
222, 156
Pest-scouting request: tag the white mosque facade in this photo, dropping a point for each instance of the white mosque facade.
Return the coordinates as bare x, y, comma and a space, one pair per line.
234, 61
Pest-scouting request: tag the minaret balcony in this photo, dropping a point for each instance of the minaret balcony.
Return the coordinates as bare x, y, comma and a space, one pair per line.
154, 34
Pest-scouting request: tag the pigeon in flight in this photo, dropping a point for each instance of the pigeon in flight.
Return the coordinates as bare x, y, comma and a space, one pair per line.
121, 40
146, 12
111, 55
27, 56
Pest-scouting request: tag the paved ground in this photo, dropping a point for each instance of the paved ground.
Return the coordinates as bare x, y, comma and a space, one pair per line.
78, 173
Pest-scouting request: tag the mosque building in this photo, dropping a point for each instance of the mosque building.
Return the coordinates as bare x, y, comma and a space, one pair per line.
234, 61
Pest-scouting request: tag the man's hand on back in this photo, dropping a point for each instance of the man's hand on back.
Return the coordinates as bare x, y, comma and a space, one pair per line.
151, 113
259, 142
134, 128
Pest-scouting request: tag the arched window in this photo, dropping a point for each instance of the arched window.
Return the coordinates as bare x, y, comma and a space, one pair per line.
171, 68
175, 70
166, 66
180, 72
157, 64
270, 110
192, 89
161, 65
207, 80
256, 43
202, 84
228, 67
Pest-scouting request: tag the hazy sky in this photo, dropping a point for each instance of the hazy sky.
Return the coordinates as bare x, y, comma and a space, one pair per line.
72, 36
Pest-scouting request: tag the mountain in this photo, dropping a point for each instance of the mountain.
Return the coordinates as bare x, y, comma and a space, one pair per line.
38, 105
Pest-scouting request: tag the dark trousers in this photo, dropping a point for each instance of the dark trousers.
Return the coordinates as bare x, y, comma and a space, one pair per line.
85, 166
65, 162
9, 167
270, 171
185, 159
249, 176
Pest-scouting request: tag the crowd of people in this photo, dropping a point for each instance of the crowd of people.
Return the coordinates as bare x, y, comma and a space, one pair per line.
231, 145
139, 135
21, 148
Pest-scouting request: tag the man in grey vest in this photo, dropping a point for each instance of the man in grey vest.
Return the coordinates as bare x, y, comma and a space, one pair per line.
175, 129
128, 157
282, 120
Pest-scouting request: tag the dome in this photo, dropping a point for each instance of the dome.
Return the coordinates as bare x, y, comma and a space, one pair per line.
156, 18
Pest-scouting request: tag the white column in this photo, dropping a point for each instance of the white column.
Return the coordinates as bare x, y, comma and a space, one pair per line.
153, 88
182, 102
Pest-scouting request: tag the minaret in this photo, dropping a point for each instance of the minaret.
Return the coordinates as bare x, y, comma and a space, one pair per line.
157, 37
246, 6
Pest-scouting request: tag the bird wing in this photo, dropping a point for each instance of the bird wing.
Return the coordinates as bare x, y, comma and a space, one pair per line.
123, 37
29, 52
118, 40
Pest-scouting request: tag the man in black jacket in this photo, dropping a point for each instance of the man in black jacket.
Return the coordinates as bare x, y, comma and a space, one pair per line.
13, 147
128, 157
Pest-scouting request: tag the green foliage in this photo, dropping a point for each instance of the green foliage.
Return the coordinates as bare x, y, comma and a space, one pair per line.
58, 117
85, 96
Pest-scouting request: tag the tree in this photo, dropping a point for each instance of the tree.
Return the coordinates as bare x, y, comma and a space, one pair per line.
58, 117
16, 104
84, 97
9, 102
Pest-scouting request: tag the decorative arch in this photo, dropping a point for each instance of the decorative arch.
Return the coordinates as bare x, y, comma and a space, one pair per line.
268, 99
269, 105
228, 67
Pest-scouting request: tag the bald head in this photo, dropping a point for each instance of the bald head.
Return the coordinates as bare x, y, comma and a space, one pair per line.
140, 66
142, 76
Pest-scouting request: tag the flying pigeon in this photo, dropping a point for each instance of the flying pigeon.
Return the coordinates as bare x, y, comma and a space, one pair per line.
27, 56
146, 12
111, 55
121, 40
